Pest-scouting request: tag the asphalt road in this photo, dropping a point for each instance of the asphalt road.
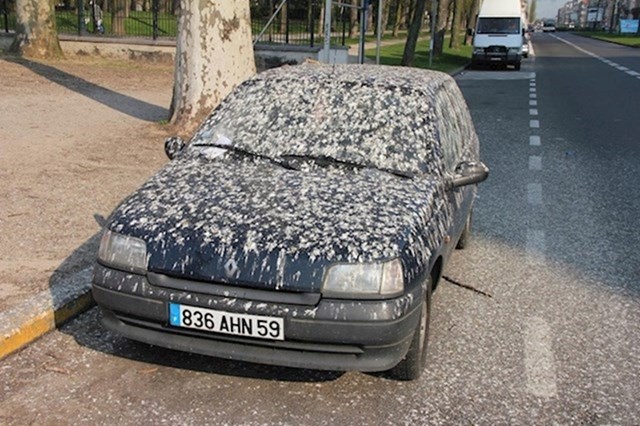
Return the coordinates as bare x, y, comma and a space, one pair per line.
555, 250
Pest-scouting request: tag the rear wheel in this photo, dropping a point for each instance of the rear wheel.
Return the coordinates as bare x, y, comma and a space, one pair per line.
517, 66
412, 365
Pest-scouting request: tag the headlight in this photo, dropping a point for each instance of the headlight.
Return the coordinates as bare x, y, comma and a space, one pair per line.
478, 50
123, 252
365, 279
514, 49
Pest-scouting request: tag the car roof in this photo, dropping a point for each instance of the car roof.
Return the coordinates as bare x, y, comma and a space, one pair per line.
414, 79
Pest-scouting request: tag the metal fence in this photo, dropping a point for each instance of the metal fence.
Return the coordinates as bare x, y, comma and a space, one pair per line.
298, 22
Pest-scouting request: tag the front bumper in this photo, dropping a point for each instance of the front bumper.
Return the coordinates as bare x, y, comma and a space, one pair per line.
495, 56
331, 334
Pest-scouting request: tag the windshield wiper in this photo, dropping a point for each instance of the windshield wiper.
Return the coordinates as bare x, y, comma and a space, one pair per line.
245, 153
324, 160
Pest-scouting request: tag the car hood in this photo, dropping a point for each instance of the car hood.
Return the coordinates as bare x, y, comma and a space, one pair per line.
257, 224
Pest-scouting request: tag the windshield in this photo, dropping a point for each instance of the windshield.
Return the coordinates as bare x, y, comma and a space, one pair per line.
389, 128
498, 26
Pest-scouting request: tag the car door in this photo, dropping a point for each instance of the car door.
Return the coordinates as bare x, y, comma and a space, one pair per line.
457, 140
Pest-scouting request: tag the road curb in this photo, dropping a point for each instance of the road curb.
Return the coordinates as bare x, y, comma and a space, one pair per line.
45, 311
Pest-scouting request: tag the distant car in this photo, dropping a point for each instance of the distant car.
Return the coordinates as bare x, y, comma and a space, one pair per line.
525, 50
306, 223
549, 27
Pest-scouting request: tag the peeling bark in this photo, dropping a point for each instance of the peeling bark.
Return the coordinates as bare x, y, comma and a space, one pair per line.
214, 54
36, 34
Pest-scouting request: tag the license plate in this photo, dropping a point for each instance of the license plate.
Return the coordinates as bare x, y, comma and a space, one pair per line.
261, 327
496, 58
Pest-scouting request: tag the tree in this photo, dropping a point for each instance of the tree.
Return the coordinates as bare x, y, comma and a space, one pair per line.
214, 53
532, 11
472, 15
36, 34
441, 27
118, 15
414, 32
353, 18
458, 12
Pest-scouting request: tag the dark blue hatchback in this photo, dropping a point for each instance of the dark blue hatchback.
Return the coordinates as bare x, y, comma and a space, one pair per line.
305, 224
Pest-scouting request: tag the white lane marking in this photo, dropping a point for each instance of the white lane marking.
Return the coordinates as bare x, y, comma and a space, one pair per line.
532, 89
533, 95
536, 243
633, 73
533, 112
593, 55
533, 103
534, 140
535, 162
534, 194
534, 124
532, 83
538, 358
492, 75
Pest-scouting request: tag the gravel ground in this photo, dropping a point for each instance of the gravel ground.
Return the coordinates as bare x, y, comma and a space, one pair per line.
76, 136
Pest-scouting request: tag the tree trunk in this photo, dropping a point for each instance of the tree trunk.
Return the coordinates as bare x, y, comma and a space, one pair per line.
414, 32
532, 11
214, 53
282, 18
118, 15
441, 28
36, 35
398, 21
386, 6
353, 18
471, 20
458, 9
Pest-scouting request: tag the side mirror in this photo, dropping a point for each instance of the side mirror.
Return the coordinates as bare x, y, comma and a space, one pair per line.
470, 32
173, 146
469, 173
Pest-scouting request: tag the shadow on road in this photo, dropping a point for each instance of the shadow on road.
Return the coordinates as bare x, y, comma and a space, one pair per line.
125, 104
89, 332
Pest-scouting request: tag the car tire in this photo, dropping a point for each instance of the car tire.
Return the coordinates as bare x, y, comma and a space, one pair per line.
463, 241
413, 363
517, 66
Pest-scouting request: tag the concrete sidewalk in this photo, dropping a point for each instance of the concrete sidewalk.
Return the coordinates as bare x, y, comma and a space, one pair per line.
76, 137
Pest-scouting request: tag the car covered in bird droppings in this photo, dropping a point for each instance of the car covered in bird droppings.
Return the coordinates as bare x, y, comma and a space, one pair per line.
305, 224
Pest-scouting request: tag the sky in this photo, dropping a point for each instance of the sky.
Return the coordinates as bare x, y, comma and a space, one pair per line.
548, 8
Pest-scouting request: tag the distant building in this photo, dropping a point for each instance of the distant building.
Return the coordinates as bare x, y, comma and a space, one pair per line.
583, 13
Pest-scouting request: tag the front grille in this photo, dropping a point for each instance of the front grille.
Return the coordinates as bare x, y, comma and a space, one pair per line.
234, 292
496, 49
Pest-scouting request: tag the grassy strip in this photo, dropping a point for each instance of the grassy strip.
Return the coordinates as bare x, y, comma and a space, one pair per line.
631, 40
450, 60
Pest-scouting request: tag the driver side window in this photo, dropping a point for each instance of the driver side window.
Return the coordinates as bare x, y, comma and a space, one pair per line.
449, 127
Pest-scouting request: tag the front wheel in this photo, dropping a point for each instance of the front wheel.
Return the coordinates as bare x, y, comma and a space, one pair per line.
412, 365
463, 242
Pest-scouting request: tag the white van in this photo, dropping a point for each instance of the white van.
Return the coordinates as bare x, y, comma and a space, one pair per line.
499, 34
